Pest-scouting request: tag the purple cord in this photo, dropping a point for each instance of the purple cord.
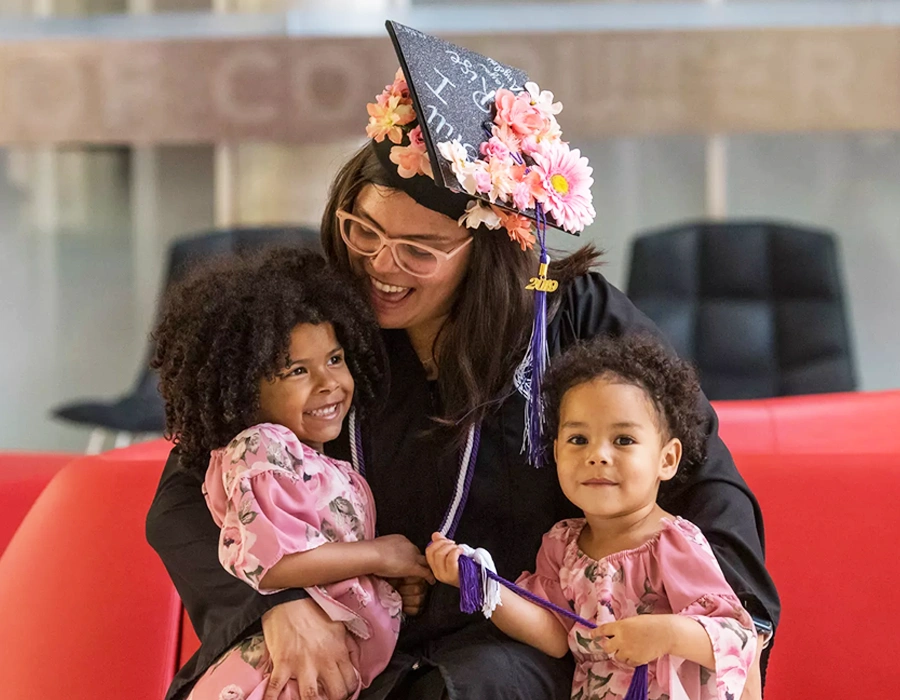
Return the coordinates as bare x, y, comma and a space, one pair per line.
471, 600
537, 600
470, 470
476, 441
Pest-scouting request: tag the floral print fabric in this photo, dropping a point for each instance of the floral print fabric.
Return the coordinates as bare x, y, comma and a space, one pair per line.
271, 495
675, 572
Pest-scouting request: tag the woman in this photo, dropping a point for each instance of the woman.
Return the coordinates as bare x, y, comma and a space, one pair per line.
456, 319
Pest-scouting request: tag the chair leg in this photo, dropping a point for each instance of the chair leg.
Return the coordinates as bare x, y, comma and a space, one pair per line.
123, 439
95, 441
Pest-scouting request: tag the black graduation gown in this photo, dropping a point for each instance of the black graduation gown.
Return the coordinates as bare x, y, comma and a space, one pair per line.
510, 506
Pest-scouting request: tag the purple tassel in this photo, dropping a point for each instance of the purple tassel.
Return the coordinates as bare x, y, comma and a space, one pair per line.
638, 690
471, 591
539, 357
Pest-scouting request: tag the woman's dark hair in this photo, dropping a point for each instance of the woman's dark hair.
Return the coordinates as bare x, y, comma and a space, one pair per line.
489, 326
641, 360
228, 326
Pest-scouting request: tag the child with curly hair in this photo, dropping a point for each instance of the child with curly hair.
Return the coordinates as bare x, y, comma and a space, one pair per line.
260, 361
626, 416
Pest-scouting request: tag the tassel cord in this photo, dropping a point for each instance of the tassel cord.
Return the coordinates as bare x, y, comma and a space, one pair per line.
472, 598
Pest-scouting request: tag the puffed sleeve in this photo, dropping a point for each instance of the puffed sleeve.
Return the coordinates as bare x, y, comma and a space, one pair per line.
545, 582
268, 494
265, 502
696, 588
715, 496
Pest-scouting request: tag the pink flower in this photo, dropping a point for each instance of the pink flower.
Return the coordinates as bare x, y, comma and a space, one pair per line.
517, 112
505, 135
401, 89
495, 148
504, 174
398, 88
518, 227
482, 178
413, 159
529, 189
416, 138
386, 120
536, 142
567, 181
234, 550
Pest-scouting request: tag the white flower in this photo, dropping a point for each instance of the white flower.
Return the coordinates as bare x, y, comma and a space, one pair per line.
231, 692
454, 152
543, 100
478, 214
465, 171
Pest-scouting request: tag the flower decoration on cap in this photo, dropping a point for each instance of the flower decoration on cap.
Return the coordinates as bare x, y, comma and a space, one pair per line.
524, 165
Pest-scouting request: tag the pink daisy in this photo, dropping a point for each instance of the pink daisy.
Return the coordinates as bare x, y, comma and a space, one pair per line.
567, 181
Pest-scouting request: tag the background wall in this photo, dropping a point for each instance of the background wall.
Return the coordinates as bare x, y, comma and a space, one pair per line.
84, 228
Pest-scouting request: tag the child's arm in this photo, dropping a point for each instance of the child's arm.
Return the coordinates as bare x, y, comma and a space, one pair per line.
519, 618
644, 638
388, 556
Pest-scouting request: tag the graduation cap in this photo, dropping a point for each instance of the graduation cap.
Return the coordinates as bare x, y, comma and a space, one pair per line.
474, 139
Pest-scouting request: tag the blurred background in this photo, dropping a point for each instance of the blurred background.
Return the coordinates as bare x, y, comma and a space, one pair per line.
128, 124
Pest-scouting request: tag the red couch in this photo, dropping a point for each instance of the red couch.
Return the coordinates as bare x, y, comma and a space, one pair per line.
87, 611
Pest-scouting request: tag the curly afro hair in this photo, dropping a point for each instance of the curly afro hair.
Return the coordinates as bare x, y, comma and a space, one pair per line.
228, 326
641, 360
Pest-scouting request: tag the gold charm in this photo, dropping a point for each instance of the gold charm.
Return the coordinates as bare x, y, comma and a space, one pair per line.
541, 283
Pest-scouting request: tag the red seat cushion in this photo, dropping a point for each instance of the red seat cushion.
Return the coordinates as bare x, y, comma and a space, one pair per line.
87, 610
857, 423
23, 475
151, 449
831, 525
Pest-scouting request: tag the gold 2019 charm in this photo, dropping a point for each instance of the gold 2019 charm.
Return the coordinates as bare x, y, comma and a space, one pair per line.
541, 283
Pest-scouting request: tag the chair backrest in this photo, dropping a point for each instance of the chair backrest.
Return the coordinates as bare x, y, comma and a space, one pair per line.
188, 252
757, 306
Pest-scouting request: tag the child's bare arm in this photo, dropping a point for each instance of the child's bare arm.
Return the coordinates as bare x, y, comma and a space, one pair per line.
530, 624
388, 556
519, 618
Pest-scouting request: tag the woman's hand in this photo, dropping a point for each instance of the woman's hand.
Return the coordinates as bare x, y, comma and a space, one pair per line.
307, 645
443, 558
397, 557
412, 591
637, 640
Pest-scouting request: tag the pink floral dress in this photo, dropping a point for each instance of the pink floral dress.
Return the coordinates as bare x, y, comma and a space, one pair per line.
272, 495
674, 572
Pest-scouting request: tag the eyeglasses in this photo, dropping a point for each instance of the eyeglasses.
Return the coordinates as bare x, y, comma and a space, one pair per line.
417, 259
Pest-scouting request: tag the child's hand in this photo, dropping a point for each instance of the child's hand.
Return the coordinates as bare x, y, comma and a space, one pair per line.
412, 591
638, 640
443, 558
397, 557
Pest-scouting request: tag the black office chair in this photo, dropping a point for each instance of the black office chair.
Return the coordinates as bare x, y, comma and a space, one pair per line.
141, 411
757, 306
